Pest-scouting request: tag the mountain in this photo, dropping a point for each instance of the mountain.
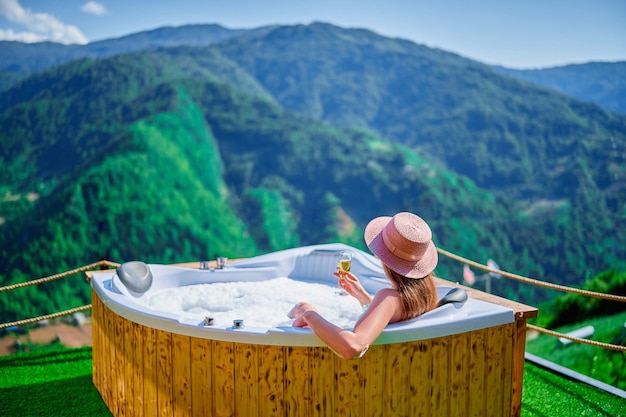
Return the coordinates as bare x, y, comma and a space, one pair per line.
300, 135
189, 168
18, 60
558, 159
603, 83
501, 133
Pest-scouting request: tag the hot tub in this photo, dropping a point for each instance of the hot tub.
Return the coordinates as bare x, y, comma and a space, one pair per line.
147, 361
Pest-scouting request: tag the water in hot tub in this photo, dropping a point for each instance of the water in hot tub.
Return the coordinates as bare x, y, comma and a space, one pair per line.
257, 303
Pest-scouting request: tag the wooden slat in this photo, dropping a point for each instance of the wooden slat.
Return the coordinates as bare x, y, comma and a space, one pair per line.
201, 377
119, 393
164, 373
477, 373
441, 377
494, 391
138, 368
109, 358
99, 355
110, 363
223, 379
150, 372
247, 379
96, 344
181, 375
271, 380
297, 383
323, 389
96, 335
459, 375
519, 347
100, 360
129, 371
373, 367
507, 368
347, 402
421, 372
397, 379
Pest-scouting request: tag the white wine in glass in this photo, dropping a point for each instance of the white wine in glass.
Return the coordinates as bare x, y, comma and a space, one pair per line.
344, 264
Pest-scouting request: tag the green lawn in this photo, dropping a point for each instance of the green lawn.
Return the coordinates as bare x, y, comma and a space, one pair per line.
608, 366
49, 383
549, 395
58, 383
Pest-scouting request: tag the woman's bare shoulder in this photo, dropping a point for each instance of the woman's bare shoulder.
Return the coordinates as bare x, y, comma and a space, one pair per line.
386, 296
387, 292
389, 300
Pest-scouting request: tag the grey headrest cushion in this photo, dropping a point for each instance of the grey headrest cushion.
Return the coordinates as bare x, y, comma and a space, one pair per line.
135, 275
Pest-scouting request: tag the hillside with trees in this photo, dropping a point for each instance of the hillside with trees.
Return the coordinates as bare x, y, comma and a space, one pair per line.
294, 136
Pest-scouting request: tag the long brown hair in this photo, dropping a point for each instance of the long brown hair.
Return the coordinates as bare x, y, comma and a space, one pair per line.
418, 295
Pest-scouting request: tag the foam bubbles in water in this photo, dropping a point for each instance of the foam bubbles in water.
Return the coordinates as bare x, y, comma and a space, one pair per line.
258, 304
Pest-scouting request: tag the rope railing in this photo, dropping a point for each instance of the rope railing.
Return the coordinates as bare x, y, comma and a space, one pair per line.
99, 264
531, 281
45, 317
105, 263
612, 297
61, 275
576, 339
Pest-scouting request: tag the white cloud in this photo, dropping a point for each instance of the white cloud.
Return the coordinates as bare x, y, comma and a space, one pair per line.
26, 37
40, 26
94, 8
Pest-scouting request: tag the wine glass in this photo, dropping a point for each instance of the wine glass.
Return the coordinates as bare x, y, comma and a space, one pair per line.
344, 264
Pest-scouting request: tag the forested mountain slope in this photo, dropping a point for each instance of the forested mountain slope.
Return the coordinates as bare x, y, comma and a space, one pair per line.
298, 136
504, 134
187, 168
561, 160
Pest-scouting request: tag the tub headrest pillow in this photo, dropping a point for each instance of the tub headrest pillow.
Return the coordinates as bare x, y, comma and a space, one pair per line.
135, 275
455, 295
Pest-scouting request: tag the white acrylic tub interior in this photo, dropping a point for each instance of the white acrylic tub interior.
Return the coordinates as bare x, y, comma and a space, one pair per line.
311, 264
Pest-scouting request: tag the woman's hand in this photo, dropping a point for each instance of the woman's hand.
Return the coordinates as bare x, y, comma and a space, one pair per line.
352, 285
298, 311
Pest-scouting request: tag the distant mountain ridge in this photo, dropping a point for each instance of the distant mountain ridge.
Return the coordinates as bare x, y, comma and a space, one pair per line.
300, 135
18, 59
603, 83
30, 57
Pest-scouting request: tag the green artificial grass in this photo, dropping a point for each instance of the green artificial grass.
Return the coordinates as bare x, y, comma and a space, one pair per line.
548, 394
58, 383
49, 383
608, 366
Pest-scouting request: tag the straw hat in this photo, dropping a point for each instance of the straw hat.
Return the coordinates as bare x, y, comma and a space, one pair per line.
404, 243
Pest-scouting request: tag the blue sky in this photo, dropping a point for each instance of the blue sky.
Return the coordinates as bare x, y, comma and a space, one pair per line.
516, 34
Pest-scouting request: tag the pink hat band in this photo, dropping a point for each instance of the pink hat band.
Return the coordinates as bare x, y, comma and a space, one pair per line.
394, 241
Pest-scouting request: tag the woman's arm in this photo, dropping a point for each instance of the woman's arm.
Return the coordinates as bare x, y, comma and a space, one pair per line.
385, 308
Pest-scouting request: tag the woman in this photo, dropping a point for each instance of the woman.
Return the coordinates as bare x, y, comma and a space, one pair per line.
404, 245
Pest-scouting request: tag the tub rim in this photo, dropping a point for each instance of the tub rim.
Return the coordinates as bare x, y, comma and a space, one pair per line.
445, 321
